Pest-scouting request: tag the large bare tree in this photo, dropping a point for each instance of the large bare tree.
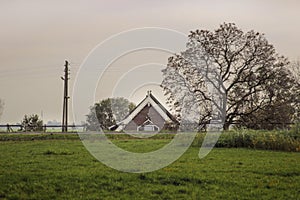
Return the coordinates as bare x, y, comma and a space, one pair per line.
243, 66
295, 70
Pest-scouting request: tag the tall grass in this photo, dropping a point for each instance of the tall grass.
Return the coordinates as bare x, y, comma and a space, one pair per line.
282, 140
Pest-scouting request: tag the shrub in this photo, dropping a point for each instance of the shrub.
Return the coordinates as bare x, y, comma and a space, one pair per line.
32, 123
295, 130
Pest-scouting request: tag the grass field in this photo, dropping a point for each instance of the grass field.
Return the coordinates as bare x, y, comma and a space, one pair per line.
59, 167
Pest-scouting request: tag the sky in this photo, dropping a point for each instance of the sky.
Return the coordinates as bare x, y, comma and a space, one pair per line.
38, 36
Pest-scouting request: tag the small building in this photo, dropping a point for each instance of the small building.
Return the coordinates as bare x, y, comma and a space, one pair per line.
148, 116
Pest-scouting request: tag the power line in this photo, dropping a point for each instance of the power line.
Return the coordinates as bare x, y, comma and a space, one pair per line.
31, 73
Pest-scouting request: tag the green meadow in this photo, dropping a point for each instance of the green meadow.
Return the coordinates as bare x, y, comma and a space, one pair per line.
45, 166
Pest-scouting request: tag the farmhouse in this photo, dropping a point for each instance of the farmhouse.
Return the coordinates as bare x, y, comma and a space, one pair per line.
148, 116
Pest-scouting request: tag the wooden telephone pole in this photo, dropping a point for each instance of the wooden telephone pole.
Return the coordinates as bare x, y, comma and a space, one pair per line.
66, 98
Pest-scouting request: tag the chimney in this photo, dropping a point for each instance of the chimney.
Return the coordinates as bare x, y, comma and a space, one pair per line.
148, 93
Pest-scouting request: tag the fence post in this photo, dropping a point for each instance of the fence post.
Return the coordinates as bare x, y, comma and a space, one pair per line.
45, 128
9, 129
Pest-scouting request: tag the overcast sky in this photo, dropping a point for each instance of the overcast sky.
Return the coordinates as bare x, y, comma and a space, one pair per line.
37, 36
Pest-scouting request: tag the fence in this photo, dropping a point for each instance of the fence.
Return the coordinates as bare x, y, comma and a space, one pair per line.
10, 128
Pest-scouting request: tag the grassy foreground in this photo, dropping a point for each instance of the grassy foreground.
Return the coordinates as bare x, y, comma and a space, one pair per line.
59, 167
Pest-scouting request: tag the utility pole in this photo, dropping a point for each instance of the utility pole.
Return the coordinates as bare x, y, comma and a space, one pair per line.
66, 98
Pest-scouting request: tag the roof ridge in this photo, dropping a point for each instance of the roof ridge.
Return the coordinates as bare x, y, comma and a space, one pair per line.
155, 100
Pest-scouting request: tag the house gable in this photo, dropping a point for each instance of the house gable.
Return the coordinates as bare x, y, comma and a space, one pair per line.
148, 113
149, 109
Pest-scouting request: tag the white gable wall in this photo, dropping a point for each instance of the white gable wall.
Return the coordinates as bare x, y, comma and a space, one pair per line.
147, 100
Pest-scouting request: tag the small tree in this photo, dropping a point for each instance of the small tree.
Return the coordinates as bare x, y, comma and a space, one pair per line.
121, 108
32, 123
107, 112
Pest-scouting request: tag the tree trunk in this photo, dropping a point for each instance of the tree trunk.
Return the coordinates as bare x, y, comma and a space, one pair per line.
226, 126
